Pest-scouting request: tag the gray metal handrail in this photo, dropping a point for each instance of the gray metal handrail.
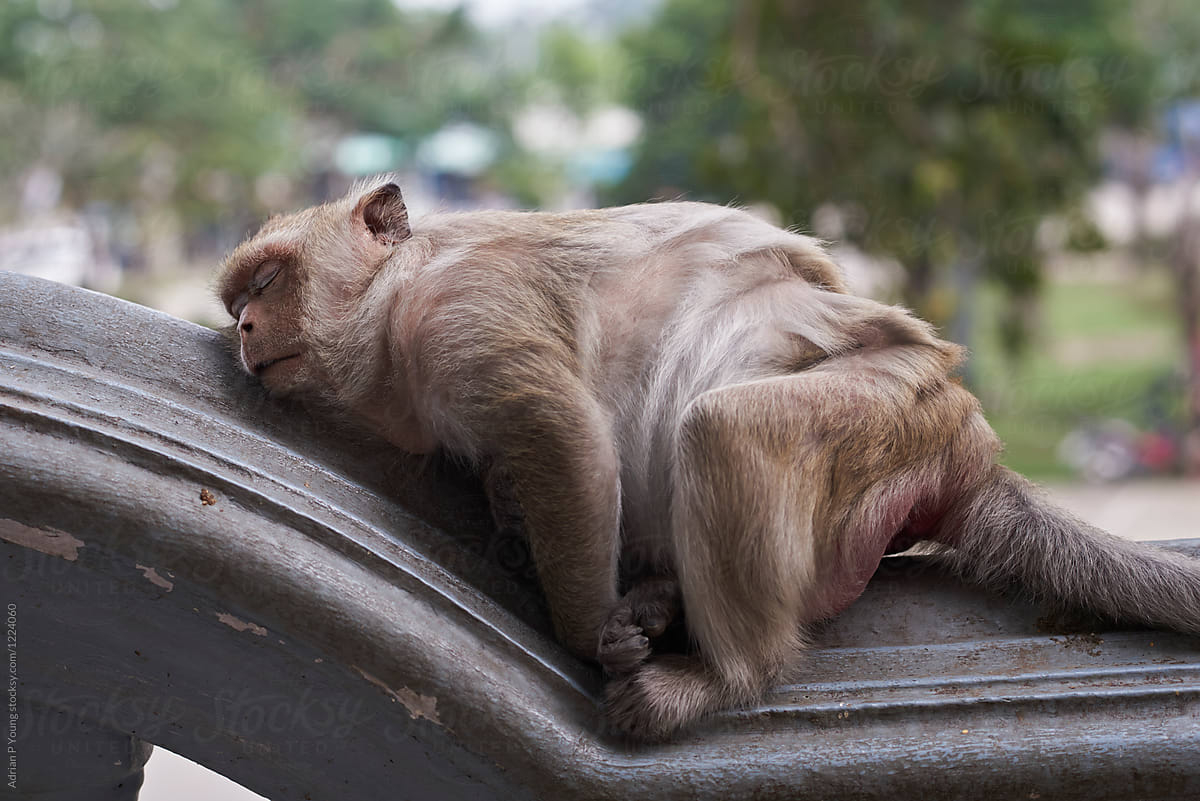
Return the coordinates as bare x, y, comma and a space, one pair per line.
314, 615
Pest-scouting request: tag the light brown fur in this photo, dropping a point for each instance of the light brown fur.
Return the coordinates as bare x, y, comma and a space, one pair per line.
686, 403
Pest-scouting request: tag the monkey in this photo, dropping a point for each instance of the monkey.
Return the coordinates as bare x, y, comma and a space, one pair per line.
695, 418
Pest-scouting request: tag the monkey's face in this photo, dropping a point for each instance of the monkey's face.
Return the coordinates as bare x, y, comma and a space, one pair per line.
269, 325
294, 288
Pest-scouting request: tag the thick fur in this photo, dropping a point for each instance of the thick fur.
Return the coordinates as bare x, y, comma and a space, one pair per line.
1006, 532
686, 403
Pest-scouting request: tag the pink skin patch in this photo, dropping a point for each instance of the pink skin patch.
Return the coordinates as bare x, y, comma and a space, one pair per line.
889, 520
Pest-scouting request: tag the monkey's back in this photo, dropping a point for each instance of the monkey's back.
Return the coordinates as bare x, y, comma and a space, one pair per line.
666, 301
677, 299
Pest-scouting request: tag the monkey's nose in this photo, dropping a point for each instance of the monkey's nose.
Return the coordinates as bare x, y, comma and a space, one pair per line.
246, 327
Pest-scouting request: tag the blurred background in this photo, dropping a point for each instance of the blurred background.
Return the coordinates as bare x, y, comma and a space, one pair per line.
1025, 173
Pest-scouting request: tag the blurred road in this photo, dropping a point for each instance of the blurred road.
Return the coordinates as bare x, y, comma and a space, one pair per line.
1138, 510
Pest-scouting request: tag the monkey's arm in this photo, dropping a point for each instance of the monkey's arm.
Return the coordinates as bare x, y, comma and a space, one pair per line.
504, 389
500, 355
556, 448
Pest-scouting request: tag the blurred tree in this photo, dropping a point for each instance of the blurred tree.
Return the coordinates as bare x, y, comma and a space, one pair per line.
136, 103
213, 110
941, 131
578, 70
1165, 30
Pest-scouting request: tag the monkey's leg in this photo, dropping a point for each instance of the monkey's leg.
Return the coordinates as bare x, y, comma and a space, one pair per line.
789, 491
742, 524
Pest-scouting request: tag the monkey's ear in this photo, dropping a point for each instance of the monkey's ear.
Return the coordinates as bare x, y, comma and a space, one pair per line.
384, 214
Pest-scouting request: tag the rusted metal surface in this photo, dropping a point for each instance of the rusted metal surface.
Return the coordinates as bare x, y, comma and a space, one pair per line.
315, 616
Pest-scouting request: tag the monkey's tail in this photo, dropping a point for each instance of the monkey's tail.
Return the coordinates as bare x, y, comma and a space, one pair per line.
1007, 531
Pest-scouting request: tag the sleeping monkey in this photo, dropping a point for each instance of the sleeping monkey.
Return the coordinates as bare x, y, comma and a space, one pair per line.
689, 408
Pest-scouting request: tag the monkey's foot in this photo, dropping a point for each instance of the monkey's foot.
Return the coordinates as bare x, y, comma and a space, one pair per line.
661, 697
644, 612
655, 603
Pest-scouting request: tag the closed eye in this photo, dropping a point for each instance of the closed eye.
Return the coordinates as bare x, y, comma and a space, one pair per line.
267, 272
264, 275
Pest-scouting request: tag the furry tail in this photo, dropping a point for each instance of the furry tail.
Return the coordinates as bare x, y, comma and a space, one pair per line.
1006, 530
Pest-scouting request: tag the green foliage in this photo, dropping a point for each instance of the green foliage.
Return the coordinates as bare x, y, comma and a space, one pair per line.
189, 103
582, 72
1100, 348
944, 131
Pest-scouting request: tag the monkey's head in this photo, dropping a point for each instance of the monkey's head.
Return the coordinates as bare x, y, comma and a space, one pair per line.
293, 288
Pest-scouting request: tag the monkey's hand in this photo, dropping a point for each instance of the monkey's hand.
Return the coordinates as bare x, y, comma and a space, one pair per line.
641, 615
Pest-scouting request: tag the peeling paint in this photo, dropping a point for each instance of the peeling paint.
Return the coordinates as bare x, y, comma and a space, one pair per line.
49, 541
241, 625
152, 576
418, 706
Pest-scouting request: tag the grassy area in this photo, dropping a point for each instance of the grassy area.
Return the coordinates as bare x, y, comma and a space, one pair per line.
1100, 345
